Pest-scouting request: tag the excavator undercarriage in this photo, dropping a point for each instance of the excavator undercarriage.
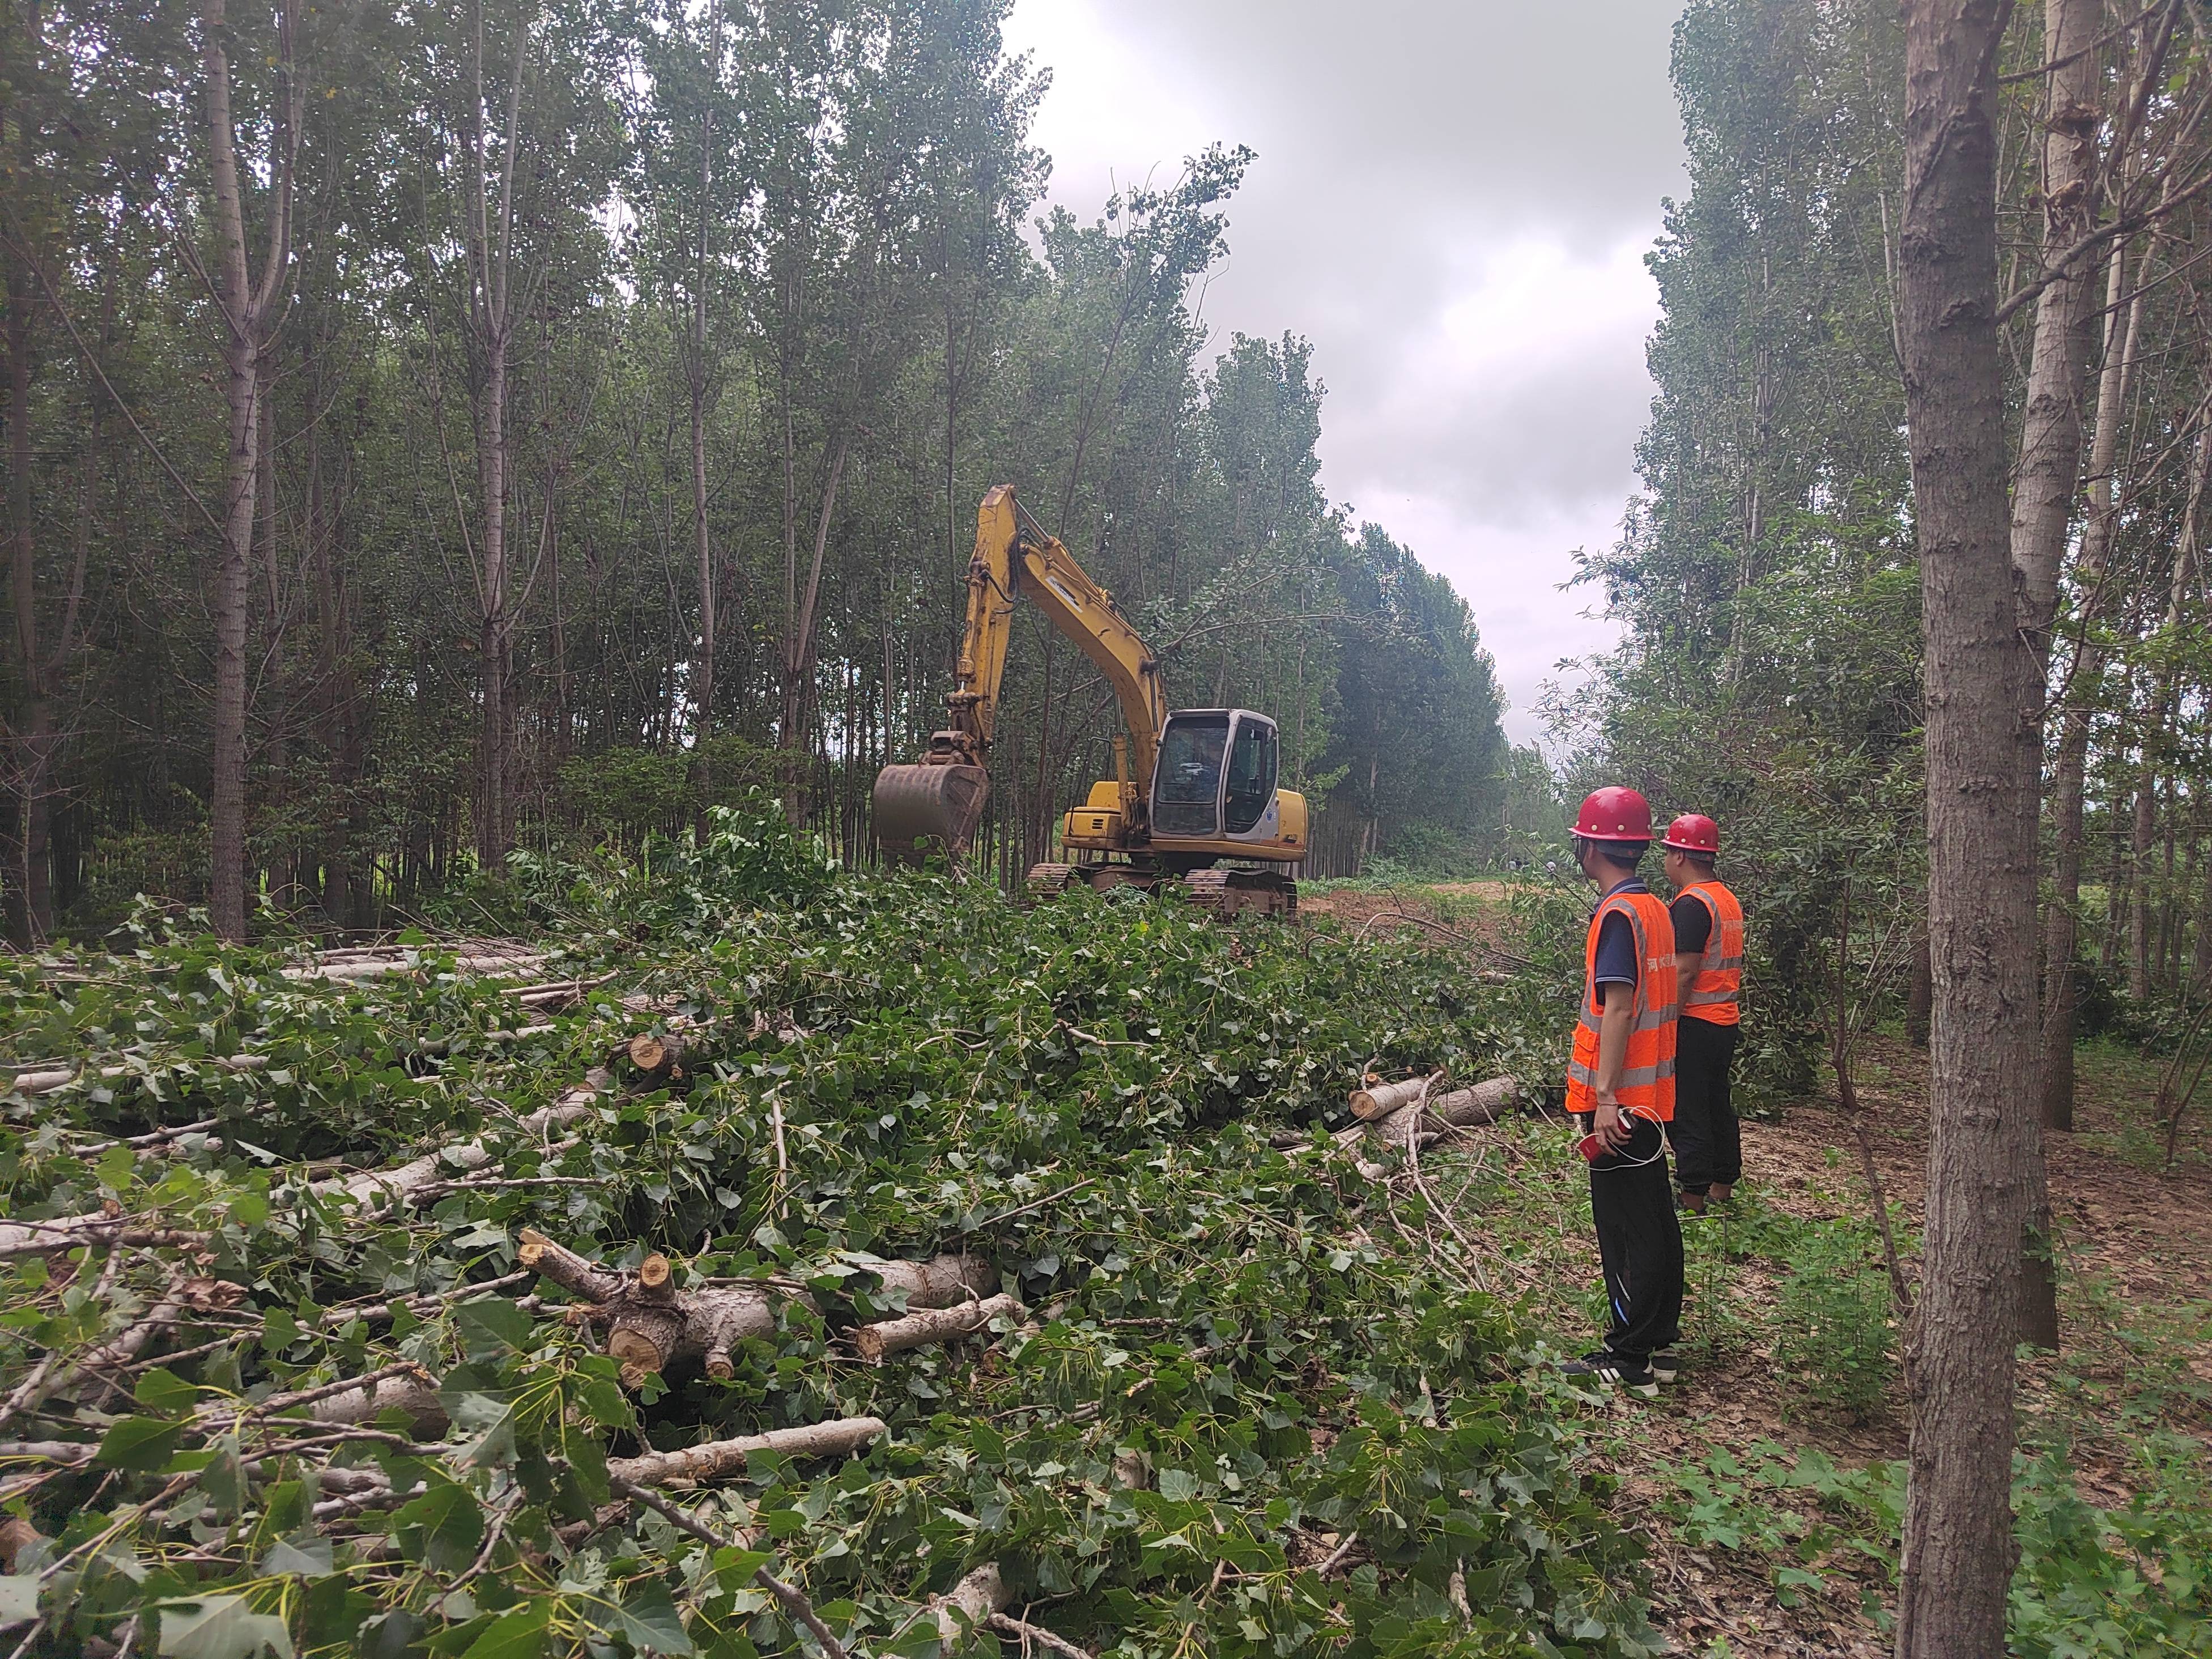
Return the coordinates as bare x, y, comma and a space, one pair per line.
1224, 892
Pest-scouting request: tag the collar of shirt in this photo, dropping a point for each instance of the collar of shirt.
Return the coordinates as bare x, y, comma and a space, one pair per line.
1633, 884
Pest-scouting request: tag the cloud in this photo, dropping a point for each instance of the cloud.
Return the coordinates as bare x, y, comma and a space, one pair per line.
1452, 201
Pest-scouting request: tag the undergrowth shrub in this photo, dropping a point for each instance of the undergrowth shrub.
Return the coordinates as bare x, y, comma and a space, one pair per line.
2091, 1583
1834, 1332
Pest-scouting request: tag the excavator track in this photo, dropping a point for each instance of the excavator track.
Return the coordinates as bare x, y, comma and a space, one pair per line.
1049, 881
1230, 894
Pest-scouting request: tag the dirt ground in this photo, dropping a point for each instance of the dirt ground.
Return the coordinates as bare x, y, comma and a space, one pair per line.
1469, 911
2138, 1233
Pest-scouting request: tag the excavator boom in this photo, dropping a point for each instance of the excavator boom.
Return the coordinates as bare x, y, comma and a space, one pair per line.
940, 802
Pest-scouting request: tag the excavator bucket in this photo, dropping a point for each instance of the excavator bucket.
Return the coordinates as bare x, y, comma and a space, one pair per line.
919, 810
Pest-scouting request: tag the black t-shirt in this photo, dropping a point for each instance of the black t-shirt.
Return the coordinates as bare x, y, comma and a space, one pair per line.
1693, 924
1616, 944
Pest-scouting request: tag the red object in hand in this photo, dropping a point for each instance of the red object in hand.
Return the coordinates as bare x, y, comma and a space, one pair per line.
1592, 1146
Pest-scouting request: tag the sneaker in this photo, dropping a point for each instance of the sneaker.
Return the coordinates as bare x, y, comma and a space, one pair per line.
1665, 1364
1602, 1365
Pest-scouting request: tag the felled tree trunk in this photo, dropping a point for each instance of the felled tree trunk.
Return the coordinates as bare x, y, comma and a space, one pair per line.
652, 1325
966, 1608
396, 1185
917, 1330
1393, 1118
716, 1458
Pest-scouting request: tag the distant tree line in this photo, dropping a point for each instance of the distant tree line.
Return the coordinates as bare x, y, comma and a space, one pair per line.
435, 429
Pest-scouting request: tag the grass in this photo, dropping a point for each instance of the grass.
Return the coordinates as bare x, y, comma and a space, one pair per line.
1777, 1468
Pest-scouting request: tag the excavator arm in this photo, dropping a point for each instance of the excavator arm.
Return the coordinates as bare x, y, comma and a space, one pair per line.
941, 799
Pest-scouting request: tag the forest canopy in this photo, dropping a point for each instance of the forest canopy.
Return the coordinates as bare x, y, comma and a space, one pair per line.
434, 430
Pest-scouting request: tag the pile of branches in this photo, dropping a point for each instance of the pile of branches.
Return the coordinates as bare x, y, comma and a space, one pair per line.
882, 1272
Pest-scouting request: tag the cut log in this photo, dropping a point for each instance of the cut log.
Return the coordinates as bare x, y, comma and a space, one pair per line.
917, 1330
486, 962
939, 1282
651, 1324
1381, 1099
395, 1186
1484, 1104
963, 1611
47, 1080
716, 1458
415, 1395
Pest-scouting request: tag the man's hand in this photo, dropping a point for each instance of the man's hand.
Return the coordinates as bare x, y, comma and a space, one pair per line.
1609, 1123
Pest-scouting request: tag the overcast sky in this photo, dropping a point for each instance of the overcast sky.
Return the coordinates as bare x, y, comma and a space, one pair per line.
1452, 201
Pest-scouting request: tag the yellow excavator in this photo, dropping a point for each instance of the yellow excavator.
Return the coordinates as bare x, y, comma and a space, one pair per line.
1193, 803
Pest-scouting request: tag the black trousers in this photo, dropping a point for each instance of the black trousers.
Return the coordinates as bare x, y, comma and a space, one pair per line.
1639, 1241
1707, 1139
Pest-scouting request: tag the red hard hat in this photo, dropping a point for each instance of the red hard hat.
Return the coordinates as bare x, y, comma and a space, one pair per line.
1614, 814
1693, 832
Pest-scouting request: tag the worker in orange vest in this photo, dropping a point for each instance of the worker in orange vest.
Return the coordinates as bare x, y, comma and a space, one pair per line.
1621, 1089
1707, 1139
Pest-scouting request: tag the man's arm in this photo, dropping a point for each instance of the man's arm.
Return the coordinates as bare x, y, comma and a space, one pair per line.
1610, 1122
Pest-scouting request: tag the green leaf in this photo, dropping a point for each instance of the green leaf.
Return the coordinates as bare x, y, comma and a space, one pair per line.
162, 1390
221, 1627
18, 1597
490, 1421
492, 1325
309, 1558
139, 1443
517, 1633
647, 1616
441, 1529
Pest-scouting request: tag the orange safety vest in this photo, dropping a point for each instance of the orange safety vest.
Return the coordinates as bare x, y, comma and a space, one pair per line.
1647, 1075
1711, 992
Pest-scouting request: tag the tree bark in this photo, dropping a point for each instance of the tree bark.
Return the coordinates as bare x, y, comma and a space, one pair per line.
249, 311
916, 1330
1984, 762
1920, 996
716, 1458
969, 1607
696, 378
35, 919
490, 244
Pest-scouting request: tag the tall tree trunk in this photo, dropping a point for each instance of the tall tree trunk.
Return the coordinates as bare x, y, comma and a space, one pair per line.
249, 310
490, 242
799, 642
2199, 958
695, 375
1984, 761
2155, 730
1919, 995
2063, 918
31, 901
2049, 472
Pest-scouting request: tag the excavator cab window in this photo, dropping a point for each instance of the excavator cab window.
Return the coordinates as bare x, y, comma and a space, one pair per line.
1187, 799
1252, 762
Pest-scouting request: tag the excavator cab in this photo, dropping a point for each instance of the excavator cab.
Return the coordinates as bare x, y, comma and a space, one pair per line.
1216, 777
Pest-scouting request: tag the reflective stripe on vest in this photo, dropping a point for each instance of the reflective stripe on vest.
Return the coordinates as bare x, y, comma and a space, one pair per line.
1647, 1076
1711, 994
